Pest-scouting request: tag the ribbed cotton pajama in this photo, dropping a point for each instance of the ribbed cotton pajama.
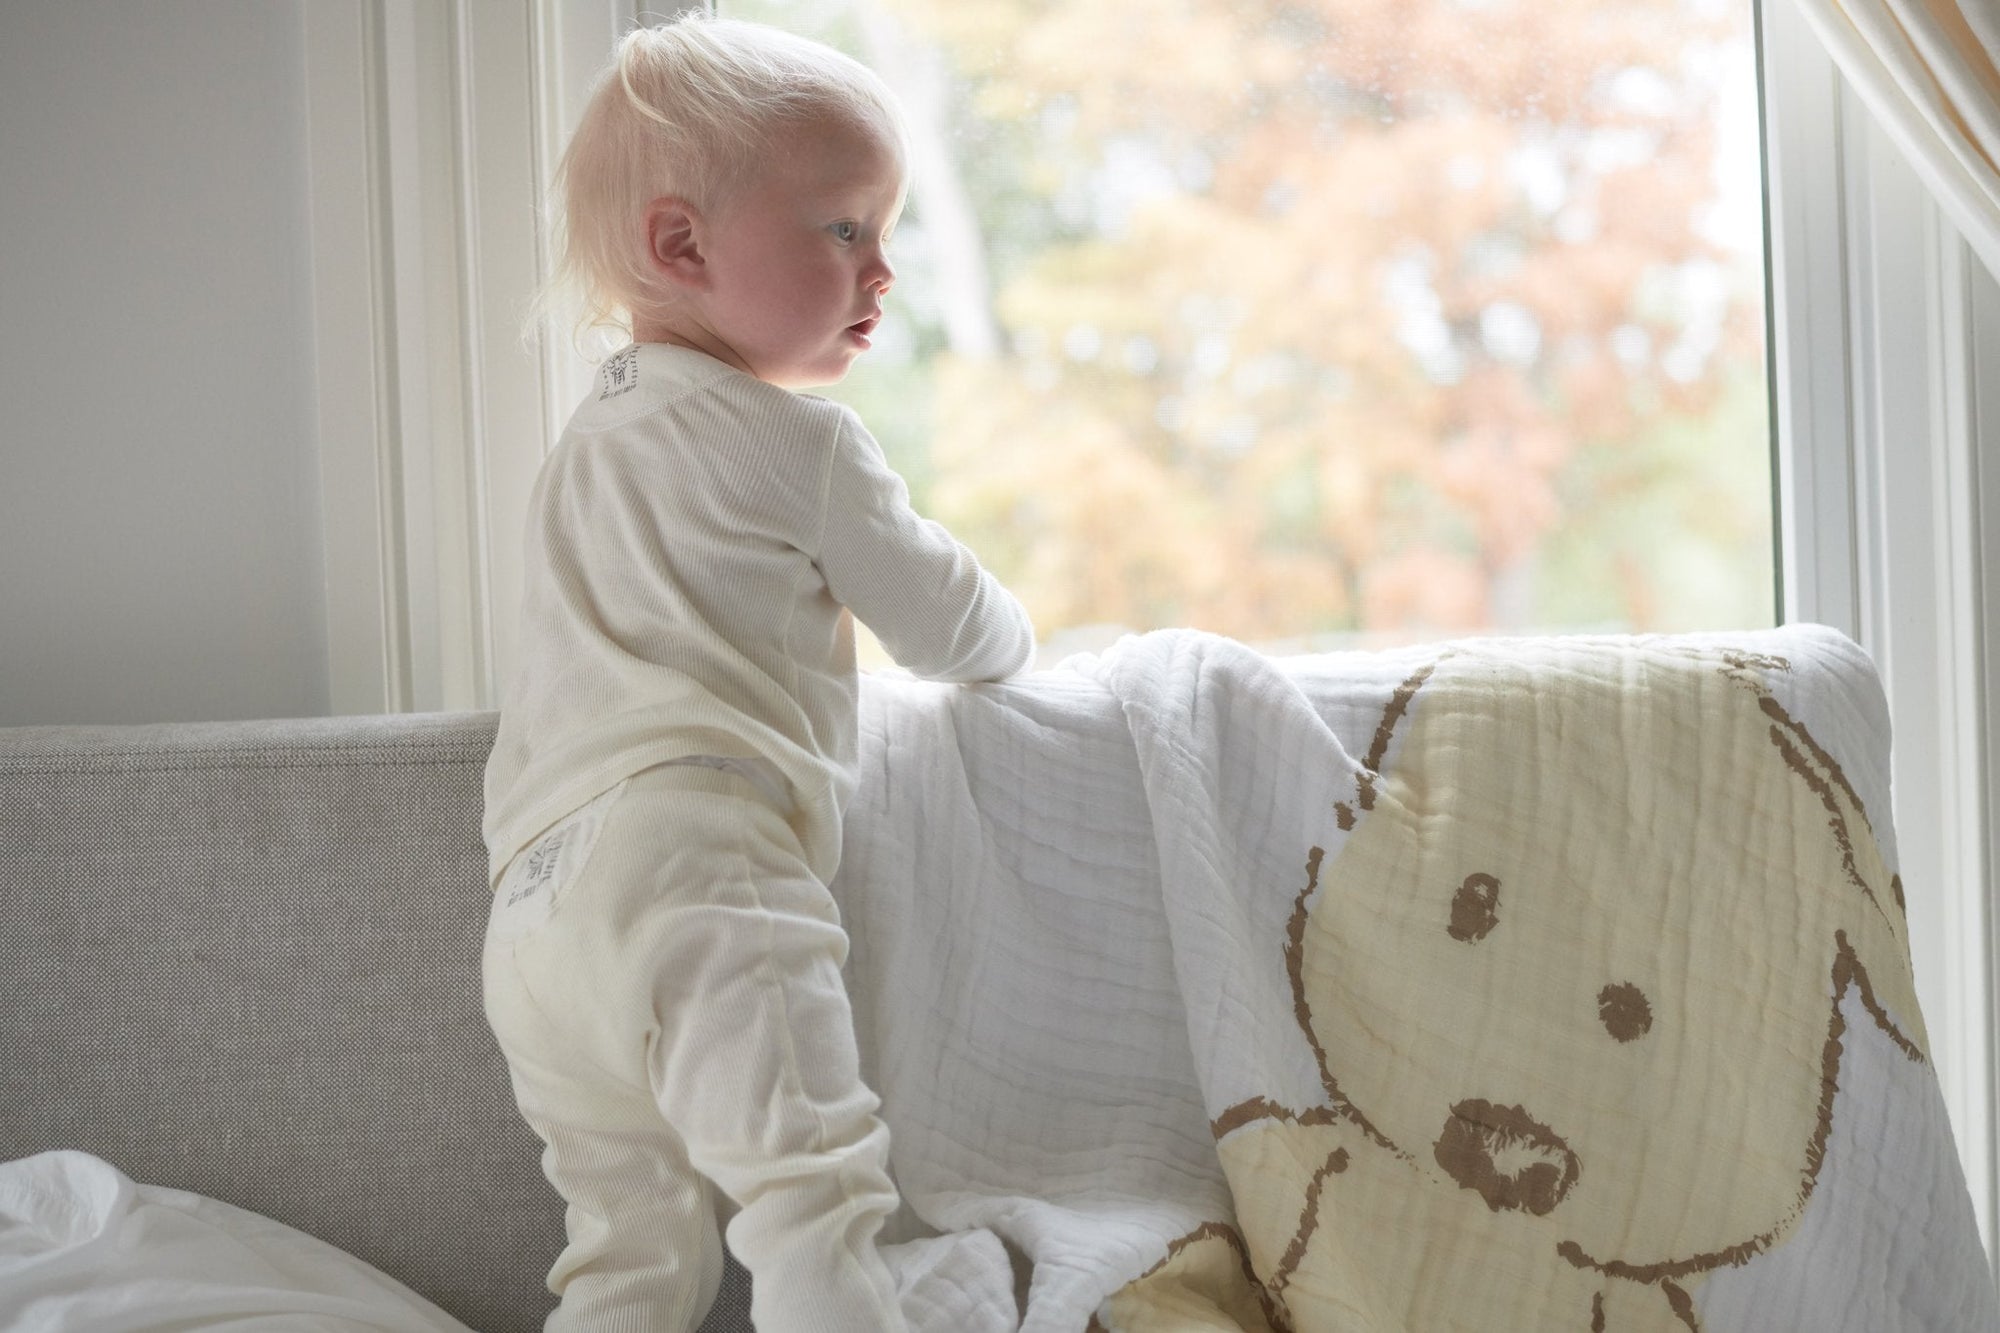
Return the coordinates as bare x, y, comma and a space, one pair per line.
662, 971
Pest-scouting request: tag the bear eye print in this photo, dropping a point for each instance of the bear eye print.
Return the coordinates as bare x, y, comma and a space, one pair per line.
1475, 908
1624, 1011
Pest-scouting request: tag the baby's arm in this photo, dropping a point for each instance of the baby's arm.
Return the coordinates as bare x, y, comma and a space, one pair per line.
921, 591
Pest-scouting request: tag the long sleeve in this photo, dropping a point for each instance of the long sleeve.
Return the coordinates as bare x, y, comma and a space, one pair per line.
926, 597
693, 548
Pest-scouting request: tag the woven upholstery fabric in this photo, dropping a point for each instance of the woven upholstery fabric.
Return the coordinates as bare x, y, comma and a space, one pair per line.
243, 959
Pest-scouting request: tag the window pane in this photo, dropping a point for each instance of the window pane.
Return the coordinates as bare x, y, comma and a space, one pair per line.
1325, 322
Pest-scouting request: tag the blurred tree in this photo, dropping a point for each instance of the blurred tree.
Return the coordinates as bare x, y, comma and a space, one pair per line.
1323, 316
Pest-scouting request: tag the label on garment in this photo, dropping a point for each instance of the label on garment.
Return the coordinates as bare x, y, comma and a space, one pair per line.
620, 374
535, 879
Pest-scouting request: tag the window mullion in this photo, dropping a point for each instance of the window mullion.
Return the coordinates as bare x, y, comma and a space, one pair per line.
1874, 391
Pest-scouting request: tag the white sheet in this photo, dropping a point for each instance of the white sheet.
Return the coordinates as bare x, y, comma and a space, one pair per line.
84, 1249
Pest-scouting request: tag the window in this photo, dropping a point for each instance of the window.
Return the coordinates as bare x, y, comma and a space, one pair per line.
1182, 279
1332, 321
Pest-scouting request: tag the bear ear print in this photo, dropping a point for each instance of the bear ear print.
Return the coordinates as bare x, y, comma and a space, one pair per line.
1750, 670
1753, 671
1763, 664
1378, 748
1812, 765
1847, 818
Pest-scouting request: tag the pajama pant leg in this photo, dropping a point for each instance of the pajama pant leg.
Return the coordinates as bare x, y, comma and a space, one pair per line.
672, 1010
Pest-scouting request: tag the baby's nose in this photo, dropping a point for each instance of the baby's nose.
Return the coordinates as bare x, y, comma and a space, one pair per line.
1513, 1160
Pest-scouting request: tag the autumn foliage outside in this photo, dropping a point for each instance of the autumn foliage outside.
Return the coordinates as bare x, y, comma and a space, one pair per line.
1329, 321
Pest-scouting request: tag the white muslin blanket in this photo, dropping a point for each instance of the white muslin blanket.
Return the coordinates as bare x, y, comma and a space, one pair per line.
1531, 984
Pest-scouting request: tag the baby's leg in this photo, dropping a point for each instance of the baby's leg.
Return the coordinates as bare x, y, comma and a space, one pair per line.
696, 970
754, 1062
645, 1251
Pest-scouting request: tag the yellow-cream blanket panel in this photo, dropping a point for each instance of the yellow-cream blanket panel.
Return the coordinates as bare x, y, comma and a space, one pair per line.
1575, 982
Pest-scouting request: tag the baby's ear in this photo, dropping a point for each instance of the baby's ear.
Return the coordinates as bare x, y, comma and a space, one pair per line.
674, 241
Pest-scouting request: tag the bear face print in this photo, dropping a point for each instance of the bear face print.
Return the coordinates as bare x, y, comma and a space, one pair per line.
1573, 985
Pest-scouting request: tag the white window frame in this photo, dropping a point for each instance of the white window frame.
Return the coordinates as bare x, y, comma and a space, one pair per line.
434, 126
1886, 375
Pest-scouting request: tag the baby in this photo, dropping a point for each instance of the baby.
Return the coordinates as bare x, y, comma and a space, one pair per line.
663, 801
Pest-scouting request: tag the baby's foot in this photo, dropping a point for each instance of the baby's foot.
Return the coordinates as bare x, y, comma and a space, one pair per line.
957, 1283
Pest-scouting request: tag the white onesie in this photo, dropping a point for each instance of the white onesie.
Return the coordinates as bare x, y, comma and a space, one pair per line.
662, 963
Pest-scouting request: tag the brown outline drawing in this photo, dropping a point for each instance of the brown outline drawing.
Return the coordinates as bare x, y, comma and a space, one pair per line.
1274, 1312
1847, 972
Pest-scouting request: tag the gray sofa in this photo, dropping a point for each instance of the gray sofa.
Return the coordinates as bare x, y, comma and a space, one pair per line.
242, 959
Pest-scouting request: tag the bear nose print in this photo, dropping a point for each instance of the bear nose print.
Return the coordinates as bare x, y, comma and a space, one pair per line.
1513, 1160
1624, 1011
1475, 908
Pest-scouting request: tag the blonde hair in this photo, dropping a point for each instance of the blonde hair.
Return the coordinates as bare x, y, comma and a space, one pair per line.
688, 108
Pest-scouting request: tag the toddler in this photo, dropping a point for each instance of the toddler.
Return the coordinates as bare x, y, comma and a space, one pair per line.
663, 801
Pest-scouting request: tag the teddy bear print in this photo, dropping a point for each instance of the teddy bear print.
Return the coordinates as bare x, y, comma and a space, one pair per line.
1573, 987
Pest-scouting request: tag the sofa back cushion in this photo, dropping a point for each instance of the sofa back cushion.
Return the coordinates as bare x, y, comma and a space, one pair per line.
243, 959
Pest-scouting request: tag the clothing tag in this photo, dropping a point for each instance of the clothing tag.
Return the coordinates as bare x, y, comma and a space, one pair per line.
620, 374
535, 879
538, 871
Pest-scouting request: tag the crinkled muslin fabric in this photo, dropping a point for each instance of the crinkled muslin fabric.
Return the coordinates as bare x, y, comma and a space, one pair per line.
1526, 984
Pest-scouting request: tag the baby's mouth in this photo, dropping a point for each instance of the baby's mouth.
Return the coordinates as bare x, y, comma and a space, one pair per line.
1513, 1160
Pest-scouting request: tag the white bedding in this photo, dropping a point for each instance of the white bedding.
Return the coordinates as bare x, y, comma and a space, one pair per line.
83, 1249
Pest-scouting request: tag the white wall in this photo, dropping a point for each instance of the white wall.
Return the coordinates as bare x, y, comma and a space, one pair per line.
159, 529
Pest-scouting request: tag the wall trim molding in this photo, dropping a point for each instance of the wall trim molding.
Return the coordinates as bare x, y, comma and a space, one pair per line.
351, 363
433, 130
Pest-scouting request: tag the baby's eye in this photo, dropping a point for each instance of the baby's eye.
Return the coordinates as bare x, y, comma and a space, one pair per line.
846, 232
